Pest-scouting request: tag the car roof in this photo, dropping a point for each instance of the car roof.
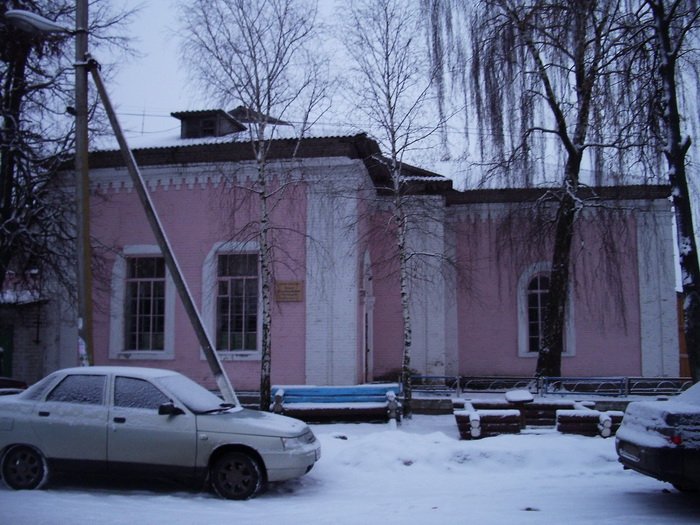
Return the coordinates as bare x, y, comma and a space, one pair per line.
114, 370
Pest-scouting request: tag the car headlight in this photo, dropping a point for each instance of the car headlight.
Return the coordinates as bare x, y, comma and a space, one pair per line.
298, 442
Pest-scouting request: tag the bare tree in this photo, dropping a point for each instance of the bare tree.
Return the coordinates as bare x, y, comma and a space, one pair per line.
391, 82
258, 54
674, 27
37, 228
551, 83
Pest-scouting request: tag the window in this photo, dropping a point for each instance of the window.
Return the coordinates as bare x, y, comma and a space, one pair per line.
144, 314
130, 392
532, 299
83, 389
130, 268
208, 127
537, 300
237, 302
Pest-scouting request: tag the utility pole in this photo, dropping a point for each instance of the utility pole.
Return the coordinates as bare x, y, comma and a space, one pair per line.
84, 268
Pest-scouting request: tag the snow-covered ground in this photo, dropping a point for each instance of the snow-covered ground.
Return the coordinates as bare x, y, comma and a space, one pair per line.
420, 473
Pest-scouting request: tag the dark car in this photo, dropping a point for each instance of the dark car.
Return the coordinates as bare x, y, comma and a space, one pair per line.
661, 439
9, 386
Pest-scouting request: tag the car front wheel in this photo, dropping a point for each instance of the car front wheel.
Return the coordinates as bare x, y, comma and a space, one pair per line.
24, 468
236, 475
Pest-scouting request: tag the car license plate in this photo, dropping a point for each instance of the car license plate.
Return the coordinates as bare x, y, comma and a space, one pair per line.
630, 452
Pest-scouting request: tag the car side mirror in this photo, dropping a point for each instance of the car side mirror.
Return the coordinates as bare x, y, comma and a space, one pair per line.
169, 409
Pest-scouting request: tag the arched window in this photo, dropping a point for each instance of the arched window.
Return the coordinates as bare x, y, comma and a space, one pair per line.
231, 299
533, 295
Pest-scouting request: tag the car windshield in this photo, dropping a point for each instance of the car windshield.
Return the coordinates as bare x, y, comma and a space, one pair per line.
194, 396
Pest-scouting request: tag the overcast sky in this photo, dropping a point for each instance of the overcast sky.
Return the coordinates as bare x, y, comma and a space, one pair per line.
146, 89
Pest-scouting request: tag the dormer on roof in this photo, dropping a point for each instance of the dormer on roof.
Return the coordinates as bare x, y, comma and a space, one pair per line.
207, 123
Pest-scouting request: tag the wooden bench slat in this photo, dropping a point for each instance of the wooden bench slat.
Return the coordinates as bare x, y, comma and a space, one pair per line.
347, 403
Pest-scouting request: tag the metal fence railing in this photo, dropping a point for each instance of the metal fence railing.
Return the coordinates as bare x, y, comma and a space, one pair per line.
602, 386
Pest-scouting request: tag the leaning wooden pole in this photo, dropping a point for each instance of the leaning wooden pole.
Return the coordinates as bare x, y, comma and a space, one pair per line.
210, 353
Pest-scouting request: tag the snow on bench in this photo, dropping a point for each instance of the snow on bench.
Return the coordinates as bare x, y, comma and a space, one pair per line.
482, 418
587, 422
369, 402
475, 424
536, 413
519, 396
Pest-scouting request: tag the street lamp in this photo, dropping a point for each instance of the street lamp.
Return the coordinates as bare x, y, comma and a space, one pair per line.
84, 64
33, 23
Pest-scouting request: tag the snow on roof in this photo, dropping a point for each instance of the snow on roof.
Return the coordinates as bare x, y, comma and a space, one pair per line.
423, 177
170, 138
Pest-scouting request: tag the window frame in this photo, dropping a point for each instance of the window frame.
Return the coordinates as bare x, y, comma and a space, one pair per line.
117, 404
118, 339
210, 282
207, 127
539, 293
249, 284
71, 378
144, 290
524, 281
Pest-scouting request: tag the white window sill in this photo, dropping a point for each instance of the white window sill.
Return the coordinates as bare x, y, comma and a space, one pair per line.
531, 355
251, 355
144, 355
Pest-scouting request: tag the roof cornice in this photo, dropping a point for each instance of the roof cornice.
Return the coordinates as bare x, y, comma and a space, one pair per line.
237, 151
510, 195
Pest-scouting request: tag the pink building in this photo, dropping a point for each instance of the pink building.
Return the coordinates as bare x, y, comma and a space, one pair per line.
479, 267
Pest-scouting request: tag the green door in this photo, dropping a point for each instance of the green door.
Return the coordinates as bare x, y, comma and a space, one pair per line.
6, 351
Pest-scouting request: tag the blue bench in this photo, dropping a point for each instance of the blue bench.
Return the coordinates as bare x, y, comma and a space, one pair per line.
370, 402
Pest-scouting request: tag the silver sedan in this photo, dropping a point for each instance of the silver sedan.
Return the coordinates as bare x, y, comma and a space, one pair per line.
145, 421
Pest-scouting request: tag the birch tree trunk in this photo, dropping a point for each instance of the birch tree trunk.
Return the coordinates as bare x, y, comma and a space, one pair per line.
404, 283
265, 254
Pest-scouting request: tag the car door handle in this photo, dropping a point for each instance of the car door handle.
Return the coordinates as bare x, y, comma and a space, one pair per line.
44, 414
119, 420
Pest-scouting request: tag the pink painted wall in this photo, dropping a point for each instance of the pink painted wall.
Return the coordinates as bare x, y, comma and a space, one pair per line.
195, 219
606, 309
491, 257
388, 320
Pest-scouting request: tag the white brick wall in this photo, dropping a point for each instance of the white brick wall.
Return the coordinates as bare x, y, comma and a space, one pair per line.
426, 241
657, 299
332, 276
